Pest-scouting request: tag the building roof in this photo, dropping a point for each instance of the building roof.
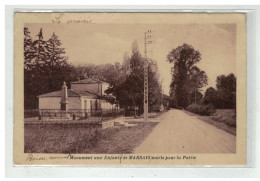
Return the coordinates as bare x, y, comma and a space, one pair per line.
71, 93
88, 81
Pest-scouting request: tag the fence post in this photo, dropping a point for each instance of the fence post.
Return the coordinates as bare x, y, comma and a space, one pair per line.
40, 116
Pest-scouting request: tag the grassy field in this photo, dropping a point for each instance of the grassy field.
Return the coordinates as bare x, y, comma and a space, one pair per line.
82, 139
224, 119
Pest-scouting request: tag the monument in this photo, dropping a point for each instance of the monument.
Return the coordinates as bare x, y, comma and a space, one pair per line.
64, 98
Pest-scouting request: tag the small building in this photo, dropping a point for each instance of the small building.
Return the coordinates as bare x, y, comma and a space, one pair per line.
84, 95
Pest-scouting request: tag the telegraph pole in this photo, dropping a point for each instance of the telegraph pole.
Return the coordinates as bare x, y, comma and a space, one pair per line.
147, 40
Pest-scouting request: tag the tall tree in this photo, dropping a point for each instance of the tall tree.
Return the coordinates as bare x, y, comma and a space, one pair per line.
196, 79
54, 51
45, 67
34, 60
27, 47
185, 76
154, 86
38, 56
129, 89
226, 87
55, 66
126, 63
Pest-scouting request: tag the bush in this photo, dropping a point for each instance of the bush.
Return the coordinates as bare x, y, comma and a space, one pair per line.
204, 110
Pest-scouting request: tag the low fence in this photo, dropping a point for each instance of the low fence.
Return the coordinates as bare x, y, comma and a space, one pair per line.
72, 115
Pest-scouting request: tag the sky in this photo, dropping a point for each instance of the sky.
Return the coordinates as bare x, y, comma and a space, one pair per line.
107, 43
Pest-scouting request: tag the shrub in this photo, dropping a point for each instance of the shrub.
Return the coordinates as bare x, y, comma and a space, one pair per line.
204, 110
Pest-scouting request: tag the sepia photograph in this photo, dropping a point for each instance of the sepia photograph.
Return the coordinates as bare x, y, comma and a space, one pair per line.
131, 88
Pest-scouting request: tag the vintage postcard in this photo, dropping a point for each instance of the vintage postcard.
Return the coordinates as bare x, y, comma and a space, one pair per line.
130, 89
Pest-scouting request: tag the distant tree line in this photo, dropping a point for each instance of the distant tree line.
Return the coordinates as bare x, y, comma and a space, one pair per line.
188, 79
46, 66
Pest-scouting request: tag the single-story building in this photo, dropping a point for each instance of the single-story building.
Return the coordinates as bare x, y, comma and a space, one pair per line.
84, 95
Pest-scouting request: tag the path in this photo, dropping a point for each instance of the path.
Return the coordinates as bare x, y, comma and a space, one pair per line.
179, 132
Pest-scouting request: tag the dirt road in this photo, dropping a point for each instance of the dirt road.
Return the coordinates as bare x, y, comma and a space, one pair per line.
179, 132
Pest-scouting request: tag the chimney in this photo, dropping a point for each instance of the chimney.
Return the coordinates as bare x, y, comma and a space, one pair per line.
64, 98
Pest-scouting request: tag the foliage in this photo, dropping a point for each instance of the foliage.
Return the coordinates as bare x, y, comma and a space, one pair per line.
226, 86
196, 97
224, 119
224, 97
186, 78
227, 116
204, 110
45, 67
211, 96
129, 87
108, 72
109, 98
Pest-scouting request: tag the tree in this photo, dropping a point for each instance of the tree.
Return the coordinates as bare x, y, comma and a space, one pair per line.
55, 65
108, 73
211, 97
129, 89
154, 86
84, 71
45, 67
196, 79
224, 97
27, 46
134, 83
34, 58
126, 63
55, 52
227, 83
135, 49
196, 97
186, 78
226, 86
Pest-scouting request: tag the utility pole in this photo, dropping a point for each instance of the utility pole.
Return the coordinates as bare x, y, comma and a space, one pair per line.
147, 41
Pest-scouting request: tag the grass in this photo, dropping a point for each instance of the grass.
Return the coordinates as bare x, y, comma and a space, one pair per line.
224, 119
82, 139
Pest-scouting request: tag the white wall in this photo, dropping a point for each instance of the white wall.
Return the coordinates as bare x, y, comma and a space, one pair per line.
88, 100
54, 103
49, 102
106, 105
104, 87
74, 103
